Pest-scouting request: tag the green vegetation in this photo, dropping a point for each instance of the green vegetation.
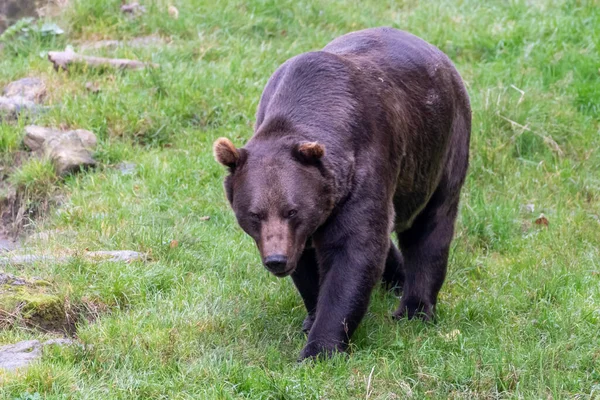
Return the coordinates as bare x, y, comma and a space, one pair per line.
35, 176
519, 315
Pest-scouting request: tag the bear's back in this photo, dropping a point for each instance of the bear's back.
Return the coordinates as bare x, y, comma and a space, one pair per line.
389, 48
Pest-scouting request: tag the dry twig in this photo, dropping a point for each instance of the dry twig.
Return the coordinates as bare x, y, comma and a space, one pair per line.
62, 59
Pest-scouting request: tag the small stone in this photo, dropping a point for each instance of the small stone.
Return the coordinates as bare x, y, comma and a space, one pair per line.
528, 207
126, 168
30, 89
118, 255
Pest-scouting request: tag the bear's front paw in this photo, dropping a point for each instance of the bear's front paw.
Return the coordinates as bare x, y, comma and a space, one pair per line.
314, 350
415, 308
308, 323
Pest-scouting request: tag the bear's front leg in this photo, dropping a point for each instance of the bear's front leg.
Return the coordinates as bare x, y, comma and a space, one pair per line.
306, 279
351, 260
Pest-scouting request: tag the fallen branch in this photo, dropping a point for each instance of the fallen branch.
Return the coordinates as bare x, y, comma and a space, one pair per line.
62, 59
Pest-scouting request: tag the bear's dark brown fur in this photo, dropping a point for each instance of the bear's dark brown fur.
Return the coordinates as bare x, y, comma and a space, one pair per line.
367, 136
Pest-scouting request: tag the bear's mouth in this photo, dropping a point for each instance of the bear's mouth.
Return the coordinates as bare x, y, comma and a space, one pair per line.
283, 274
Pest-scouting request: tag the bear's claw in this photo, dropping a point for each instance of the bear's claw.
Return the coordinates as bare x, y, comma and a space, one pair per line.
415, 308
316, 350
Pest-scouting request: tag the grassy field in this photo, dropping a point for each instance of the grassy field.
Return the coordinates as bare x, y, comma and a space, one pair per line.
519, 314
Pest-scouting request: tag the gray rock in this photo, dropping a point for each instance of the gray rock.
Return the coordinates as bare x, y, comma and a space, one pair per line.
31, 89
12, 106
58, 342
10, 279
110, 256
528, 208
70, 151
118, 255
20, 355
126, 168
45, 236
28, 259
22, 95
88, 139
36, 136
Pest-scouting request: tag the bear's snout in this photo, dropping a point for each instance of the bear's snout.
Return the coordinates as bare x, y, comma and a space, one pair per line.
277, 264
275, 246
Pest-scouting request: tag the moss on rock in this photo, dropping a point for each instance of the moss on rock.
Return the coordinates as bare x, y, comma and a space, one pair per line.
32, 304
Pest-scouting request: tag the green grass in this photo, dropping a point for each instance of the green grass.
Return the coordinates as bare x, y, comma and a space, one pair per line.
35, 177
519, 314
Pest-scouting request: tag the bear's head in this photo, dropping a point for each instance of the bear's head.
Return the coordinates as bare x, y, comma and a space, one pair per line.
280, 192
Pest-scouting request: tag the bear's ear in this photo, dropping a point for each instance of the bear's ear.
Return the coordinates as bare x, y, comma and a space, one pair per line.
309, 151
226, 153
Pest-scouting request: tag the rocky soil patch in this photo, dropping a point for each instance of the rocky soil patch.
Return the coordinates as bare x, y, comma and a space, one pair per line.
32, 302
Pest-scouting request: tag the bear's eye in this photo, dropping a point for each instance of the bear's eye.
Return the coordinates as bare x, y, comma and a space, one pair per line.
291, 214
254, 216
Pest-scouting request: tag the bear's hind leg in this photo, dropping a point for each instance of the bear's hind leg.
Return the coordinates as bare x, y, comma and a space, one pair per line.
393, 274
306, 279
425, 247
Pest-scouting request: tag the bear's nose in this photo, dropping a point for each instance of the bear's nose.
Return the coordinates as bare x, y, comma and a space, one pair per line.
276, 263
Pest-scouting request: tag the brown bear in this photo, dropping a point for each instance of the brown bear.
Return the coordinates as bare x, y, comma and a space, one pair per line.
367, 136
